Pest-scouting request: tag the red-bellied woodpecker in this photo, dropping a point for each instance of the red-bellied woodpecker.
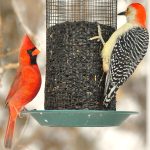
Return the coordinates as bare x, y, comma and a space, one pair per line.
124, 50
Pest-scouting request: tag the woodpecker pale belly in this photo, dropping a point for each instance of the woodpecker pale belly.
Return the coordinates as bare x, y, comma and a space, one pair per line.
128, 51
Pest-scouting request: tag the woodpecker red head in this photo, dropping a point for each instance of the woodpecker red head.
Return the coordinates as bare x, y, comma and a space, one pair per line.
135, 14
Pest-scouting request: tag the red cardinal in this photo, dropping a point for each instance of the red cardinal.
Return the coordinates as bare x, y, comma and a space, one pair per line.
25, 86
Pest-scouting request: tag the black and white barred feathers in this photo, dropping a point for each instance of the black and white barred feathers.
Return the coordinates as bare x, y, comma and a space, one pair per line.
127, 53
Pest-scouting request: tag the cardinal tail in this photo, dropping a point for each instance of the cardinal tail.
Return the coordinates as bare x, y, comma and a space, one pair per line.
10, 131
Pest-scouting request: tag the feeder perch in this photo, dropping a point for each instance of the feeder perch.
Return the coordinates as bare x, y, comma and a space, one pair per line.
75, 81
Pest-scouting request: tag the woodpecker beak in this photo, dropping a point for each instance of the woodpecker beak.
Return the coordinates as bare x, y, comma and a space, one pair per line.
123, 13
35, 52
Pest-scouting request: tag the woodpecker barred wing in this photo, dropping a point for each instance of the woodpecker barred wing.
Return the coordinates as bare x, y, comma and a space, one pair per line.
128, 52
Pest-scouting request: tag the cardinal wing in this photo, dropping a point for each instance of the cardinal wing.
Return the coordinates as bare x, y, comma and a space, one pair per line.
14, 87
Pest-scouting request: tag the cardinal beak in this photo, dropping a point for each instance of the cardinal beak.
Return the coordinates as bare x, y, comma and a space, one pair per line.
35, 52
122, 13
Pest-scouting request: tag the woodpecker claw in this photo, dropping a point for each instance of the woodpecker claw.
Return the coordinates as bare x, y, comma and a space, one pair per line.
99, 37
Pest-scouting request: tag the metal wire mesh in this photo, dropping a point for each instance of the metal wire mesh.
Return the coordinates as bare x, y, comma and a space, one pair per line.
74, 73
103, 11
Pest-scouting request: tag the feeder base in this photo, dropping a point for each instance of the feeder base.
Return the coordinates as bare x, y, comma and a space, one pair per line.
79, 118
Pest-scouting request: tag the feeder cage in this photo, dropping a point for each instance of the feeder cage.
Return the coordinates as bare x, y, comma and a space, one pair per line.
60, 11
75, 81
74, 74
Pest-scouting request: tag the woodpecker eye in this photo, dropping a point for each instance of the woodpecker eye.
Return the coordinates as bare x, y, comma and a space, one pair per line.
31, 50
127, 11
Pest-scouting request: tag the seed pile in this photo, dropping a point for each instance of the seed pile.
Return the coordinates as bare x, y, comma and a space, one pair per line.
74, 75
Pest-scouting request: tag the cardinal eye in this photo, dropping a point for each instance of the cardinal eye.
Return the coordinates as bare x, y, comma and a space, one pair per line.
31, 50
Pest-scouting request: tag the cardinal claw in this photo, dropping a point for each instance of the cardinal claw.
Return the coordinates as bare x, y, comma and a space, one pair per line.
25, 109
20, 115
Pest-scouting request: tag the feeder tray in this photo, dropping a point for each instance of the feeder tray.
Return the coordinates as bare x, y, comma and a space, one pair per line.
79, 118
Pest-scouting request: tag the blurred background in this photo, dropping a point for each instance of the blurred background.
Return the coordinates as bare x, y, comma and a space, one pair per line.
28, 16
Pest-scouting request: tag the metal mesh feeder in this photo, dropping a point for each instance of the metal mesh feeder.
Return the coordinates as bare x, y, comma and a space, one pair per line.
75, 78
75, 81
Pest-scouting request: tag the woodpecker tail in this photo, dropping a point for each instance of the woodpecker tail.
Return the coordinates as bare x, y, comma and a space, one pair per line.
110, 97
107, 101
110, 102
10, 130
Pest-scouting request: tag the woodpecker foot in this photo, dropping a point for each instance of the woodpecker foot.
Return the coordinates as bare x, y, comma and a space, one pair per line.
99, 37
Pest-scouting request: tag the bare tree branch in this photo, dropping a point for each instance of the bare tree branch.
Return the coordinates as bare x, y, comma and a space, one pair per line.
11, 66
7, 67
12, 52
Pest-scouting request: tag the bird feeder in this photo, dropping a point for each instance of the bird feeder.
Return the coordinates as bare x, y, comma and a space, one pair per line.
75, 81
